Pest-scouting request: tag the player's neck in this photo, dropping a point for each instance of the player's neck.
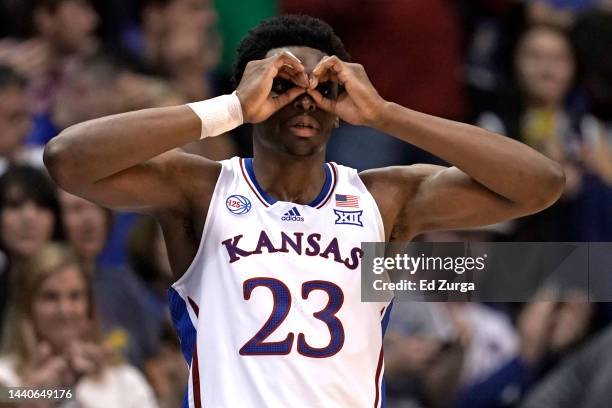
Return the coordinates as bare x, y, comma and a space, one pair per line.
289, 178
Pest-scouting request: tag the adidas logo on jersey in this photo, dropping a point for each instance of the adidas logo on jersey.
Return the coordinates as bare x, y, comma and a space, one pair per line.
292, 215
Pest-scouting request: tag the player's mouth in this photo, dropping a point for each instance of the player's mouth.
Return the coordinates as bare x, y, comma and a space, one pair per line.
304, 126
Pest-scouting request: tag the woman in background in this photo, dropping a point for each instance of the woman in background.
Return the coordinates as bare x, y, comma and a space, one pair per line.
148, 258
542, 111
135, 334
53, 338
29, 218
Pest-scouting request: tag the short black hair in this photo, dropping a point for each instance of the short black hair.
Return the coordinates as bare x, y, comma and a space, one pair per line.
10, 78
31, 184
284, 31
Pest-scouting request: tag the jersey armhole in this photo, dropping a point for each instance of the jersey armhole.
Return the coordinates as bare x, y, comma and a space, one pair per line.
379, 219
206, 228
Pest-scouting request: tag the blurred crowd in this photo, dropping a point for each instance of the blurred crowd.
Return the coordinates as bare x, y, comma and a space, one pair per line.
83, 289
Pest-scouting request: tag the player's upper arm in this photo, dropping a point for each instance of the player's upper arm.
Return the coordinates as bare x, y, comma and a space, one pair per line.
165, 183
420, 198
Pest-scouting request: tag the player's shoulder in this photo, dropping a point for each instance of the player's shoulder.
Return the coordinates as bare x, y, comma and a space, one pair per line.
189, 168
194, 176
394, 188
181, 163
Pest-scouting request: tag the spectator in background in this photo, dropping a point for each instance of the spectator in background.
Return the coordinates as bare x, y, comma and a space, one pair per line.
583, 380
91, 90
491, 339
561, 13
434, 350
412, 53
424, 352
55, 30
191, 48
94, 90
541, 115
15, 121
149, 259
86, 225
65, 26
549, 330
59, 30
490, 27
29, 218
53, 339
593, 38
135, 333
168, 372
178, 41
99, 86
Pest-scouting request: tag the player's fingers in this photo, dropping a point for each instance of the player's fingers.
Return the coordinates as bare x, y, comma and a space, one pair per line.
288, 61
285, 75
327, 76
322, 102
289, 64
299, 81
328, 68
291, 55
298, 78
322, 66
285, 98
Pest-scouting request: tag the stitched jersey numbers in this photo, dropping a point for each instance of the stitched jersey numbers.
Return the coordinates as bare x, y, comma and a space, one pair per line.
282, 304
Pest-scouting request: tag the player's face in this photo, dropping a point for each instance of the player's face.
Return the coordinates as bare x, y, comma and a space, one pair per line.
84, 223
25, 226
545, 66
60, 307
300, 128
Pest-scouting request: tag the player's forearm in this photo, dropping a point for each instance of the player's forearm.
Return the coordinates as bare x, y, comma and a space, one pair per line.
505, 166
92, 150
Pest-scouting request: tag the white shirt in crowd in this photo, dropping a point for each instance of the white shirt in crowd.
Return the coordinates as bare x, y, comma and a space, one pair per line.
119, 386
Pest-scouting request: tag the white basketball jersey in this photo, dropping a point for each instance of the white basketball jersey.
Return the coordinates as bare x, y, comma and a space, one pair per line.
269, 313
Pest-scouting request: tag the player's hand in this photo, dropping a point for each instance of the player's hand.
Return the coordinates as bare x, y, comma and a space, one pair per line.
360, 104
255, 89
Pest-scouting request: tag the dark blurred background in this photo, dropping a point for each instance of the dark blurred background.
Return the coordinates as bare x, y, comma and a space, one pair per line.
539, 71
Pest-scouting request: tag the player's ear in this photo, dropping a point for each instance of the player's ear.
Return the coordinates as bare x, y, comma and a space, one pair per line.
337, 122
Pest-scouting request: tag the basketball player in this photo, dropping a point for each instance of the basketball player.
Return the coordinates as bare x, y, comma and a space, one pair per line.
266, 250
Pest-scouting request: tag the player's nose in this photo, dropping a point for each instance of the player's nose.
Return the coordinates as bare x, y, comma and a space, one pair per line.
304, 103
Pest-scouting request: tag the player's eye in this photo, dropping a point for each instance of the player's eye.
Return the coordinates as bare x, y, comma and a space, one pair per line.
281, 85
325, 89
